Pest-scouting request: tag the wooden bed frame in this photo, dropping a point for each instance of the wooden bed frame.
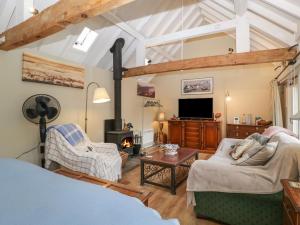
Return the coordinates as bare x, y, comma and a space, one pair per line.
124, 189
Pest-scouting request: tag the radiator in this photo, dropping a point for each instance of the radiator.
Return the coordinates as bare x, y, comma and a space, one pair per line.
148, 138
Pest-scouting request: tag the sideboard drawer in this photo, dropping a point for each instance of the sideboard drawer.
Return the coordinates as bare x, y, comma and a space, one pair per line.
241, 131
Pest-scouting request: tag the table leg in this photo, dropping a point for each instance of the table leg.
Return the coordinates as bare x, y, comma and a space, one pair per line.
196, 156
173, 180
142, 173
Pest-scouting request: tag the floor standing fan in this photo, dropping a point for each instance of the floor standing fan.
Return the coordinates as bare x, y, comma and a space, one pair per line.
41, 109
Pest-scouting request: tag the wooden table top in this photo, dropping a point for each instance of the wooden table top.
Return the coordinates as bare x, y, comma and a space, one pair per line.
124, 189
293, 193
174, 160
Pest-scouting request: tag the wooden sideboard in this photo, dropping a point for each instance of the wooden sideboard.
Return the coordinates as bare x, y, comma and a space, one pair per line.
241, 131
204, 135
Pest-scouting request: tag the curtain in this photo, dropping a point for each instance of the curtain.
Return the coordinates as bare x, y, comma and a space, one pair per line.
277, 110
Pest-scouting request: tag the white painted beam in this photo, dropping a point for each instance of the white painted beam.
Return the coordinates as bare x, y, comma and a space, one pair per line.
286, 6
242, 39
140, 54
192, 33
240, 7
123, 25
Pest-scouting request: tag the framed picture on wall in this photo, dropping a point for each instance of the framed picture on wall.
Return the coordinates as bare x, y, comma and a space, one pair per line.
145, 89
197, 86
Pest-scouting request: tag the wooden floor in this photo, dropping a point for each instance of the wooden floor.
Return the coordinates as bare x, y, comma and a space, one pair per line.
168, 205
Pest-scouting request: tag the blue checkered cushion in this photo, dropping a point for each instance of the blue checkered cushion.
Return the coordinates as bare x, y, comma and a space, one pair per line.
70, 132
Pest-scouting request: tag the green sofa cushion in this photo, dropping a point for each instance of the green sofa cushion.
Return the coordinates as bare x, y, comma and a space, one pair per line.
240, 209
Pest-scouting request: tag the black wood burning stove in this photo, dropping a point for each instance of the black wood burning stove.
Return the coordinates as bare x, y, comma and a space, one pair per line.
113, 128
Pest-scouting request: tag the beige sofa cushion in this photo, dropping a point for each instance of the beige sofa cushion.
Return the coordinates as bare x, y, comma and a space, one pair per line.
241, 147
256, 156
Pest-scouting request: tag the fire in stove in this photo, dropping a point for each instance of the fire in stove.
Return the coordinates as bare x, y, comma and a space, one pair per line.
127, 143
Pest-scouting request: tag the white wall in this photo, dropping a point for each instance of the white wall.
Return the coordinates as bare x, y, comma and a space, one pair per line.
17, 134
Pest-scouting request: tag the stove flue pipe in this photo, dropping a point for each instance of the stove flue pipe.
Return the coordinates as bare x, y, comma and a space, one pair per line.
116, 50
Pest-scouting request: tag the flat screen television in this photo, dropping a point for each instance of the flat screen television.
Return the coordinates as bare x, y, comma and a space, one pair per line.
195, 108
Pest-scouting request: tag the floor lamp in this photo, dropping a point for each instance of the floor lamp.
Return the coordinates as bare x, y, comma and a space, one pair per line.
227, 99
161, 119
100, 96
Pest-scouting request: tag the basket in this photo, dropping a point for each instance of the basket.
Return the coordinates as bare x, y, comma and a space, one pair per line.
124, 156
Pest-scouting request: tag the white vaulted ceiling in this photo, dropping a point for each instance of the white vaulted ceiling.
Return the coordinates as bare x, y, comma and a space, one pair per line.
273, 24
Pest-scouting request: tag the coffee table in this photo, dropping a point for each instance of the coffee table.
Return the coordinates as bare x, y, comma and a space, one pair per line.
167, 171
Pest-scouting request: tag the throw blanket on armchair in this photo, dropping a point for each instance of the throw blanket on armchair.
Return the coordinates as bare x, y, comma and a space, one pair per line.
218, 175
95, 159
70, 132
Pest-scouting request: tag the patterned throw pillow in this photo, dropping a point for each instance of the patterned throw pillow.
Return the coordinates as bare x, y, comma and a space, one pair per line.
241, 147
260, 138
257, 157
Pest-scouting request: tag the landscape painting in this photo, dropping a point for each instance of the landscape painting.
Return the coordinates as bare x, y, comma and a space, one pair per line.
145, 89
44, 70
197, 86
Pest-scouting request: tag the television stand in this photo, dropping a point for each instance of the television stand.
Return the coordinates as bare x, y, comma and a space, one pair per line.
204, 135
196, 119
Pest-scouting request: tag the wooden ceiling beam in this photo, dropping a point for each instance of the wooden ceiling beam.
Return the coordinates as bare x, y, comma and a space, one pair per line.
54, 19
234, 59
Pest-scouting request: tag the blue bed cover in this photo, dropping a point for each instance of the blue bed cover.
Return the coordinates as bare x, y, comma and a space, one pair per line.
30, 195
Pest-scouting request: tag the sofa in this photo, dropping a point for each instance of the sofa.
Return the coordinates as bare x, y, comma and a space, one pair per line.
243, 195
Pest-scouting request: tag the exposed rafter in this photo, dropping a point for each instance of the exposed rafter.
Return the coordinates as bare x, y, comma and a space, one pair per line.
271, 29
6, 14
286, 6
131, 31
272, 16
234, 59
191, 33
240, 7
56, 18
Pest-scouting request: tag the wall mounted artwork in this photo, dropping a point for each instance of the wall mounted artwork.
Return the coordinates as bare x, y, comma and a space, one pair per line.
44, 70
145, 89
197, 86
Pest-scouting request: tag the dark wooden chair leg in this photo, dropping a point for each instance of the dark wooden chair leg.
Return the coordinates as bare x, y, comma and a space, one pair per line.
173, 180
142, 173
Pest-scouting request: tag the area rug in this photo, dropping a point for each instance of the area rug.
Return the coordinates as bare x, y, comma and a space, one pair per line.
132, 163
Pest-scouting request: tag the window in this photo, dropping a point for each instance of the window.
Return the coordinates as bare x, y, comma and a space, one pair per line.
85, 39
295, 109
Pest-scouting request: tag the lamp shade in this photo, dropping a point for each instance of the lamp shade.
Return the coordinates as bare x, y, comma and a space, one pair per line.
161, 116
101, 96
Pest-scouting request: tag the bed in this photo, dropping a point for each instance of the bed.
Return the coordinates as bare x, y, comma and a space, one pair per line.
31, 195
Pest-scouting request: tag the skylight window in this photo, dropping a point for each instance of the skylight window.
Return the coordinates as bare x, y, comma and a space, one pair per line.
85, 39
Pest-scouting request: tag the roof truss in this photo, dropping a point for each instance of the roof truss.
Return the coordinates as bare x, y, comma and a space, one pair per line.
54, 19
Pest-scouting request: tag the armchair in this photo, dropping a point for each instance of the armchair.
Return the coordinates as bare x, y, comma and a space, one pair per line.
95, 159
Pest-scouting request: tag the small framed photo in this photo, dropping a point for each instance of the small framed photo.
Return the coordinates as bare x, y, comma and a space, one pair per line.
197, 86
236, 120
